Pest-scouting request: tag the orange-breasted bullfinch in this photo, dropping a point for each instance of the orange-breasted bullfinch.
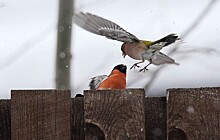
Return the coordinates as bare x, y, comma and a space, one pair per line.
115, 80
132, 46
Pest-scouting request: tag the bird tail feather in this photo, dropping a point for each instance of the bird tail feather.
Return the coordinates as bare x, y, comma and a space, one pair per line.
95, 81
169, 39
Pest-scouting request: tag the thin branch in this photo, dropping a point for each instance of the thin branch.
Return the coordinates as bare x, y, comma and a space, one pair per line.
2, 5
187, 32
204, 50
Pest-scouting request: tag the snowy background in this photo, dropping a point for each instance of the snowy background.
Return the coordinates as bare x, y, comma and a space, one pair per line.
28, 43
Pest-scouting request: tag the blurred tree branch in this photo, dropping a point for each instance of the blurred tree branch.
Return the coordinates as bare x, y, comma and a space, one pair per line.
63, 54
187, 32
203, 50
2, 5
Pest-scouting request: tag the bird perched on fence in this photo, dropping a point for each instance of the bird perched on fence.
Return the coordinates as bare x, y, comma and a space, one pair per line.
115, 80
132, 46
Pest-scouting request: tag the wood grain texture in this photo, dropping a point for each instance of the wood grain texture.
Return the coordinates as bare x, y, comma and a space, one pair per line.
156, 118
118, 114
194, 114
78, 118
40, 114
5, 119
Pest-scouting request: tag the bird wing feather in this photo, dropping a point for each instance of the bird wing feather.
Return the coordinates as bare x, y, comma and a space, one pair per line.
160, 58
103, 27
96, 81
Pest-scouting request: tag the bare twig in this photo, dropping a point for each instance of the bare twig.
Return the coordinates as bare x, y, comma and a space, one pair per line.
204, 50
187, 32
2, 5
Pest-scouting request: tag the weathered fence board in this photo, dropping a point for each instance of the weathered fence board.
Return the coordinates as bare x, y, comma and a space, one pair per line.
5, 120
115, 114
78, 118
118, 114
194, 114
40, 114
156, 118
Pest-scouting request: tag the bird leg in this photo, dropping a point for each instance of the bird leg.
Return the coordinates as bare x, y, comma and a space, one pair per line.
145, 68
136, 65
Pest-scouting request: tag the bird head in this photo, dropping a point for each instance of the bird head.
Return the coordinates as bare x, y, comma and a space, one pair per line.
122, 68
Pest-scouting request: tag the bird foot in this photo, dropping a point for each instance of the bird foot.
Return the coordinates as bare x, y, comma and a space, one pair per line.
144, 69
134, 66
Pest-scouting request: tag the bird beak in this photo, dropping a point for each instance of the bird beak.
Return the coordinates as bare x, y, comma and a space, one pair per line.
124, 67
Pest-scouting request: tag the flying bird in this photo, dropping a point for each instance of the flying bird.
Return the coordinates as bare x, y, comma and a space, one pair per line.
132, 46
115, 80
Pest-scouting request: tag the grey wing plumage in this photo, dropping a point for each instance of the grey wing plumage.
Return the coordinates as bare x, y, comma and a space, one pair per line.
96, 81
160, 58
103, 27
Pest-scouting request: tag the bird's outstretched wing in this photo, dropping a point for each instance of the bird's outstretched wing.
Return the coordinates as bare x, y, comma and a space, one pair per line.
103, 27
96, 81
160, 58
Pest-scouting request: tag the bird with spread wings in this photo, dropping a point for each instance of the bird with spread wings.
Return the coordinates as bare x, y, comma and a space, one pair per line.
132, 46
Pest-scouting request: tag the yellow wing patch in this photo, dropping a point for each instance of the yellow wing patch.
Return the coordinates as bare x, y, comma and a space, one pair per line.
147, 43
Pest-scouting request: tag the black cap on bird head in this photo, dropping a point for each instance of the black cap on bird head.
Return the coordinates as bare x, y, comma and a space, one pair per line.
122, 68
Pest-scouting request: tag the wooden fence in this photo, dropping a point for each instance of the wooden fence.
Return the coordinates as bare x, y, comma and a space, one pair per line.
185, 114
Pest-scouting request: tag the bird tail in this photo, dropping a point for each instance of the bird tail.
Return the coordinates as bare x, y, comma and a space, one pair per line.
169, 39
95, 81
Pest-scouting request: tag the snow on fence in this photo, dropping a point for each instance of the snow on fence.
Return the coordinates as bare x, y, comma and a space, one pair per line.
111, 114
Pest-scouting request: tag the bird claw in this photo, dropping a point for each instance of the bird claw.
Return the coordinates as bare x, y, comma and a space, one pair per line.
134, 66
144, 69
